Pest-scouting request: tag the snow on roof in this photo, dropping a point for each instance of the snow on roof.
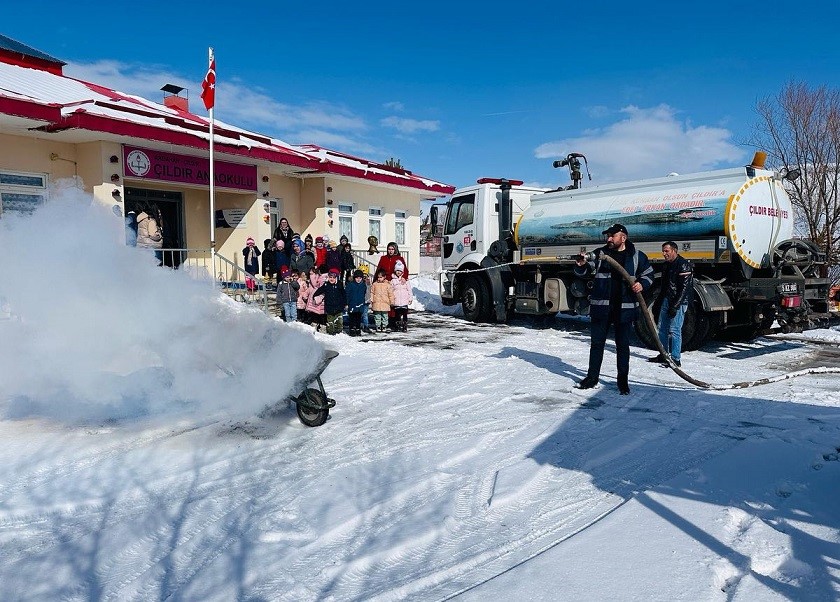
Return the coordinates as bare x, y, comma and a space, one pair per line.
370, 167
87, 106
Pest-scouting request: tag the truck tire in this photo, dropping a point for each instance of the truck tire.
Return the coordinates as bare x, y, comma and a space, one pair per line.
475, 299
696, 327
695, 331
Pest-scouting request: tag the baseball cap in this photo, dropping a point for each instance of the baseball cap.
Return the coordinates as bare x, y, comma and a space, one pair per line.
615, 228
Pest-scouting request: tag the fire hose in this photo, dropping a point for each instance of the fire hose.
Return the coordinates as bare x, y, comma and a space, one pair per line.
648, 315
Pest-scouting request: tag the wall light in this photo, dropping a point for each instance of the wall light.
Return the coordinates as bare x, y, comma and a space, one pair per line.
265, 178
115, 177
266, 193
114, 159
116, 194
329, 188
329, 201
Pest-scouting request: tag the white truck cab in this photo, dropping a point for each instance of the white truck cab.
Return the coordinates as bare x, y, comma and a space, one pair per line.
472, 224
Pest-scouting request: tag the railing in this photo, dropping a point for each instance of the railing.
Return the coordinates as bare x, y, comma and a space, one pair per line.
232, 279
362, 257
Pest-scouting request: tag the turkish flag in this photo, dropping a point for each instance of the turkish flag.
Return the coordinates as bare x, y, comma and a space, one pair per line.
208, 86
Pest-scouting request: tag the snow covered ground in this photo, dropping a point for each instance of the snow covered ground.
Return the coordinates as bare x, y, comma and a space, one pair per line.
459, 461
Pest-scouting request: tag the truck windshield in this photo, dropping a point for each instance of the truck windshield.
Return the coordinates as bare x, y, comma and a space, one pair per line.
460, 214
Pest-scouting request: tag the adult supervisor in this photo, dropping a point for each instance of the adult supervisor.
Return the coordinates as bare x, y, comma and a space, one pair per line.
613, 302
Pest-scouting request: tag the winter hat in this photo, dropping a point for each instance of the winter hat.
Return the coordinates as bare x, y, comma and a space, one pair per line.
333, 244
344, 239
399, 266
326, 238
319, 239
358, 274
335, 271
285, 271
364, 269
280, 245
308, 238
250, 241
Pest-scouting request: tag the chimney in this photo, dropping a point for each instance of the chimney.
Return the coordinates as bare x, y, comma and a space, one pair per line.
172, 99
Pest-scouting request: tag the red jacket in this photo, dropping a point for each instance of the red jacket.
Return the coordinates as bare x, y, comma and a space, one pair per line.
387, 262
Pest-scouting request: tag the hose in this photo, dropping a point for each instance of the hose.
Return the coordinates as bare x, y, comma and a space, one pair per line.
670, 362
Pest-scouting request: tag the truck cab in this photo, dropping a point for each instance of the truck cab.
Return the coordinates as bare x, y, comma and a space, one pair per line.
471, 226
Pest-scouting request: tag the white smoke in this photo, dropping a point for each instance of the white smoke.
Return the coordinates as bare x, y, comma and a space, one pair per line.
91, 329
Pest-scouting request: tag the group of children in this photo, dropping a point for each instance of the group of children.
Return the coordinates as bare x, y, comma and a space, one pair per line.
321, 298
318, 283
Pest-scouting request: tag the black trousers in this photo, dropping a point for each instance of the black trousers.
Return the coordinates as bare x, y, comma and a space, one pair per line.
598, 336
355, 321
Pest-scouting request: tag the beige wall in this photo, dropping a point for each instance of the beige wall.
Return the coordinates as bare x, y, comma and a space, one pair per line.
389, 199
304, 202
20, 153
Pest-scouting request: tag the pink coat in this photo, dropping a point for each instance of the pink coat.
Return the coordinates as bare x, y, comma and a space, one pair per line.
303, 294
315, 304
402, 292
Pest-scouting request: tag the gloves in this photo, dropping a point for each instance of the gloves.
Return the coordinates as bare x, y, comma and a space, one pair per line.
672, 312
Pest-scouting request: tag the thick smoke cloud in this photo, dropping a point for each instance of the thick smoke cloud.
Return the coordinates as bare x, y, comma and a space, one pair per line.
91, 329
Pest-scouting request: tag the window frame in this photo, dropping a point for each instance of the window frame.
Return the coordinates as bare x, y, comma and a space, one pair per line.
41, 191
400, 221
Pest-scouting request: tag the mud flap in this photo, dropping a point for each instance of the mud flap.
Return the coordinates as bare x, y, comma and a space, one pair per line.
497, 288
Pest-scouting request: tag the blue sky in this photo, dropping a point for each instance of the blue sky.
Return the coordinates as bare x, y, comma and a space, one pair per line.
458, 91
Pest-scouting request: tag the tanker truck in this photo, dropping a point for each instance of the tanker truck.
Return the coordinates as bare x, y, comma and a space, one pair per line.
508, 249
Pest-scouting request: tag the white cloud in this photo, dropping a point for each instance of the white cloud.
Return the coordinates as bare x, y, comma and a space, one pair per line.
410, 126
236, 103
648, 142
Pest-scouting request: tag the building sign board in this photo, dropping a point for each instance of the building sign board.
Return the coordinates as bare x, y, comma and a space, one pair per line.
147, 164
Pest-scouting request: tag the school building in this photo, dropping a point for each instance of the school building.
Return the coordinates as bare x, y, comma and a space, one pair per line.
131, 152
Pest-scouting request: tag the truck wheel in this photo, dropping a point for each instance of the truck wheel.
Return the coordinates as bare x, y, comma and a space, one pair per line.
696, 327
475, 299
648, 338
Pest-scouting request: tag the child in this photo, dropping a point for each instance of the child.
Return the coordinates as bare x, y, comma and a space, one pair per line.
269, 263
334, 301
348, 263
303, 296
251, 259
280, 258
287, 294
402, 298
314, 304
381, 300
320, 251
366, 306
356, 291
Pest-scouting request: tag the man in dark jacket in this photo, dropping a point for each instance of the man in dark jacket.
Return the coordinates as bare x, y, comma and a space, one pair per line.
612, 301
677, 287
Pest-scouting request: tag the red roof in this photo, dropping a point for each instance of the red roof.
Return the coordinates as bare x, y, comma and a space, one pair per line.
60, 103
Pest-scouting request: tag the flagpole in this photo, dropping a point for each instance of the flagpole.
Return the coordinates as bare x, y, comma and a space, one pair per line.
212, 176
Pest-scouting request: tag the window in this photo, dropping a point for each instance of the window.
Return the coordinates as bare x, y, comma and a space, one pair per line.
375, 225
374, 229
460, 214
399, 227
22, 192
345, 220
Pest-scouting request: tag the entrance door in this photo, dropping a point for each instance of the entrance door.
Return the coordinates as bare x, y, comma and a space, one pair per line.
169, 208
